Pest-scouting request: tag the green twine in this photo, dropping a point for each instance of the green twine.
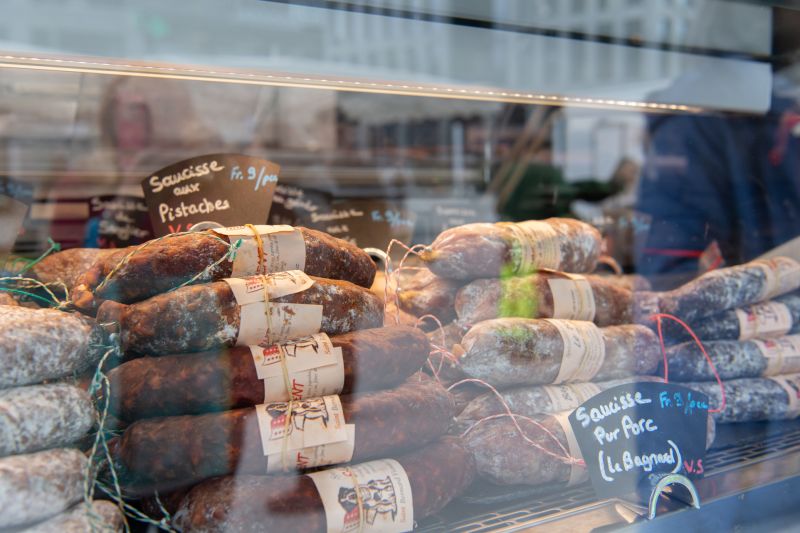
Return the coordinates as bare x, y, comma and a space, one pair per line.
30, 283
100, 381
54, 247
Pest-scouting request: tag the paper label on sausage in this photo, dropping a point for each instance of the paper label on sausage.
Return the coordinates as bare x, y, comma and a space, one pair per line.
782, 355
573, 298
368, 497
313, 367
570, 396
782, 275
764, 320
577, 473
539, 246
304, 433
313, 456
281, 248
262, 322
791, 384
584, 350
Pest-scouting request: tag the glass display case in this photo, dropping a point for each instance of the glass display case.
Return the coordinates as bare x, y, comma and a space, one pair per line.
402, 246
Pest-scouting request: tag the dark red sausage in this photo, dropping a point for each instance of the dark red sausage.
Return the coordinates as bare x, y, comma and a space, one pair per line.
172, 452
374, 359
167, 263
437, 474
204, 317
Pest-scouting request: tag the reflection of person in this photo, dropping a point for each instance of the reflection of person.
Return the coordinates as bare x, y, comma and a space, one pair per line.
716, 178
726, 184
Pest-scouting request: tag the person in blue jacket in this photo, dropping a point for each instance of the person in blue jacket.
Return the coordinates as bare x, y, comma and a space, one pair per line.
730, 180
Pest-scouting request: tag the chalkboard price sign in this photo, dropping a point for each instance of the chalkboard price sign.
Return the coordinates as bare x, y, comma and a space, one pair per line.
227, 189
634, 430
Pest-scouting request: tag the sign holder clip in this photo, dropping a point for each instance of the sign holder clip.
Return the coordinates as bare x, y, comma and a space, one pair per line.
655, 484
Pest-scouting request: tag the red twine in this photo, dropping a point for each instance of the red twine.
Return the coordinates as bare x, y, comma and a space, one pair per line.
658, 317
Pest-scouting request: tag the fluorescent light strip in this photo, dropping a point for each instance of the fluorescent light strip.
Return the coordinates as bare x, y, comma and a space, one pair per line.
186, 73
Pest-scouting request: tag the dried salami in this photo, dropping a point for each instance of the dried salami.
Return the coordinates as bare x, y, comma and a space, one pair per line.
100, 515
731, 288
490, 250
774, 318
372, 359
437, 474
516, 351
172, 452
63, 268
537, 399
43, 416
753, 399
205, 317
545, 295
39, 485
428, 294
160, 265
41, 344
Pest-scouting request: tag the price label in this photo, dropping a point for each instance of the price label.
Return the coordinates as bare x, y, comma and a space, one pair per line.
217, 189
631, 431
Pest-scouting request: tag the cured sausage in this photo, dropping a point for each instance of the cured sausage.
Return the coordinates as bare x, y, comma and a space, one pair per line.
39, 485
163, 264
101, 516
40, 344
372, 359
538, 399
204, 317
437, 474
516, 351
43, 416
545, 295
774, 318
171, 452
65, 267
753, 399
733, 287
490, 250
428, 294
503, 457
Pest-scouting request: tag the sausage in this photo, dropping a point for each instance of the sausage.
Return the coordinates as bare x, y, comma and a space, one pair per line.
428, 294
545, 295
101, 516
373, 359
437, 474
7, 299
171, 452
537, 399
63, 268
39, 485
40, 344
490, 250
516, 351
204, 317
631, 282
163, 264
43, 416
753, 399
503, 457
733, 287
774, 318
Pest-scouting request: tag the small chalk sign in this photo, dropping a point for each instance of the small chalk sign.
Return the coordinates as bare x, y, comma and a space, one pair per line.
229, 189
366, 223
634, 430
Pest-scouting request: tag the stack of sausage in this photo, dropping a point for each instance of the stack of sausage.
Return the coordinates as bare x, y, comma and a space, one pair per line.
748, 320
41, 470
531, 323
227, 379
